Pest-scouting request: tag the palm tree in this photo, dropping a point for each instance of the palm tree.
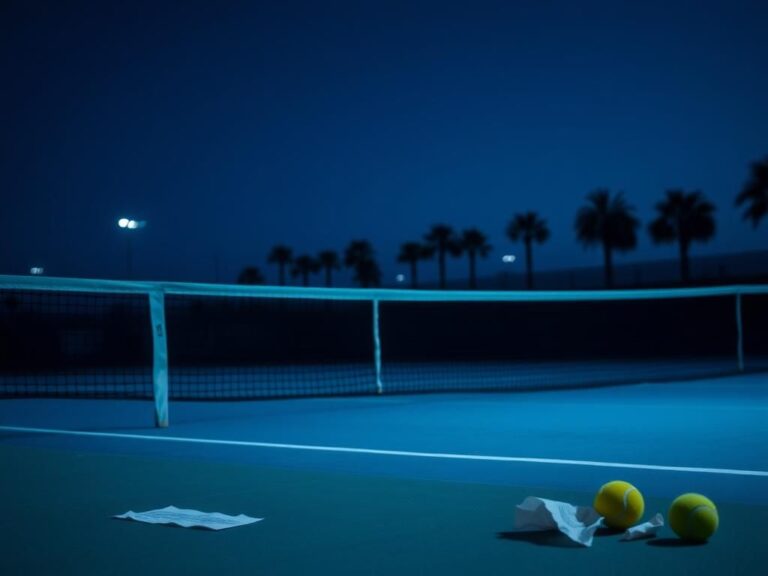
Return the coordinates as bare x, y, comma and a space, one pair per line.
329, 261
368, 273
609, 222
303, 266
282, 256
529, 228
250, 275
683, 218
442, 239
755, 192
411, 253
475, 244
360, 256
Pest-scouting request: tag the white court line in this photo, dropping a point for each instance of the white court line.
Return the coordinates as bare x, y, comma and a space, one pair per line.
442, 455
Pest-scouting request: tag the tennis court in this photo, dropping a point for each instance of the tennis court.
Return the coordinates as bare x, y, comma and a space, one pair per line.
352, 471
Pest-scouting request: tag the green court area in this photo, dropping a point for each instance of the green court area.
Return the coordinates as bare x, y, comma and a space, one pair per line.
58, 506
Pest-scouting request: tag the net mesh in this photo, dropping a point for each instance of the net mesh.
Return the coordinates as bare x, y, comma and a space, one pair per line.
74, 344
531, 345
754, 314
256, 347
98, 342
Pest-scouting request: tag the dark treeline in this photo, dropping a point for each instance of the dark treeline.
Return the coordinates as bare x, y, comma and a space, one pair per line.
606, 221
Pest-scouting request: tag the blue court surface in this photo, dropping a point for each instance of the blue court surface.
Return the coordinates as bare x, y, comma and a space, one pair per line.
400, 484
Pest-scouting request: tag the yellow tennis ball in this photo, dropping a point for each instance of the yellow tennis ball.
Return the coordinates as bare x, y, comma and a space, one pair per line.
693, 517
620, 503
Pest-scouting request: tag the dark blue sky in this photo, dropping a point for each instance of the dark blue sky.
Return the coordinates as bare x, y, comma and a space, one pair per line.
232, 126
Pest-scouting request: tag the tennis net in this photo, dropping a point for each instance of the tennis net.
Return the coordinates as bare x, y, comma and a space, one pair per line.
89, 338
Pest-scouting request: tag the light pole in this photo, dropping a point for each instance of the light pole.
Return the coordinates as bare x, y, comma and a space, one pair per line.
130, 225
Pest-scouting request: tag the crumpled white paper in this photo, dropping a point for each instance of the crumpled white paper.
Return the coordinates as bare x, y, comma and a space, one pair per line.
644, 530
579, 523
189, 518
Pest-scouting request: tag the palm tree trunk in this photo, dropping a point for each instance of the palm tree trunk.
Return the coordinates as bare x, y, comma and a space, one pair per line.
361, 275
281, 266
472, 272
441, 259
608, 263
414, 276
529, 263
685, 272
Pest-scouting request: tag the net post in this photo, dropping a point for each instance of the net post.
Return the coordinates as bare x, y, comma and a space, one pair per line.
160, 357
739, 334
377, 347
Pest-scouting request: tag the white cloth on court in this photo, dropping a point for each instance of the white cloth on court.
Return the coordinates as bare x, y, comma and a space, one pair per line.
644, 530
189, 518
579, 523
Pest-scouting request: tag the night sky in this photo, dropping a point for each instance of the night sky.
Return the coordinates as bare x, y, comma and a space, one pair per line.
232, 126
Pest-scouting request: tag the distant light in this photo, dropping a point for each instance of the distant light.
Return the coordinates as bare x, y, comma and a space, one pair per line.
508, 258
131, 224
36, 270
400, 277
